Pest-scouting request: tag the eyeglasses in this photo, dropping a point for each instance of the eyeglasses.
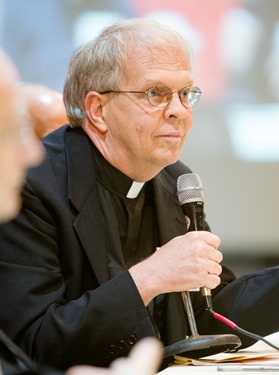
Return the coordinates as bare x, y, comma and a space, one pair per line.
160, 96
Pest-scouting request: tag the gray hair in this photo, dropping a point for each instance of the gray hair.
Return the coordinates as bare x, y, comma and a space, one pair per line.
102, 63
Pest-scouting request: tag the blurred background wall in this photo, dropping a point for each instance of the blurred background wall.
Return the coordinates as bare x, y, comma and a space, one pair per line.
234, 143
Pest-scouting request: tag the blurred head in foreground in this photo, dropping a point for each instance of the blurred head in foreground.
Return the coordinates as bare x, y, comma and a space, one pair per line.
19, 148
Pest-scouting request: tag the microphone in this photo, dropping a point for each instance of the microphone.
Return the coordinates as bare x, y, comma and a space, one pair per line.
191, 199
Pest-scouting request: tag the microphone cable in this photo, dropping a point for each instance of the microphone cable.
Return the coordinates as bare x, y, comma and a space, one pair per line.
235, 327
191, 199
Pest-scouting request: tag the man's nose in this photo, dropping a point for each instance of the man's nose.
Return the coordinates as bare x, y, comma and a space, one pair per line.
175, 108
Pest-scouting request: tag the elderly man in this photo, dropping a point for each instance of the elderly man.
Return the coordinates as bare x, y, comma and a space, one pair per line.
80, 261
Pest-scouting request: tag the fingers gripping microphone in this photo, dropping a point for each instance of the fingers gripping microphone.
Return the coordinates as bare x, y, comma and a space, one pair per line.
191, 198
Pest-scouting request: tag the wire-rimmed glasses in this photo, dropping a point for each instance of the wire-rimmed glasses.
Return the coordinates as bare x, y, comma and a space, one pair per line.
160, 96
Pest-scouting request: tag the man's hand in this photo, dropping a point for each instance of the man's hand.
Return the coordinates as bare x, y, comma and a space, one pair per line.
186, 262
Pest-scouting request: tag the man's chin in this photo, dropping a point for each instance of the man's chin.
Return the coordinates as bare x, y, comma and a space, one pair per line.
169, 160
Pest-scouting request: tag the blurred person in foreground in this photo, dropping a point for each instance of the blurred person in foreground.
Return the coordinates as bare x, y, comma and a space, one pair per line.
83, 279
44, 107
19, 149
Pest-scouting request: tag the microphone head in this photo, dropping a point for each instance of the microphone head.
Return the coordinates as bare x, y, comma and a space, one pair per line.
189, 188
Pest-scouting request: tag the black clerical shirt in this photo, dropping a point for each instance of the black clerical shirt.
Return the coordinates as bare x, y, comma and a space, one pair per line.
131, 233
130, 222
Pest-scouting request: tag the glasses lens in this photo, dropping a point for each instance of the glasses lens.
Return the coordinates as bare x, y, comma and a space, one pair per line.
192, 98
159, 96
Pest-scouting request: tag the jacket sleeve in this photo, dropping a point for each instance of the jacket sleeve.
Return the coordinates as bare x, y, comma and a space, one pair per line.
54, 326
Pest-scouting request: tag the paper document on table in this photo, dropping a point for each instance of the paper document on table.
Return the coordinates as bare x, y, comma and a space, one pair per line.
259, 353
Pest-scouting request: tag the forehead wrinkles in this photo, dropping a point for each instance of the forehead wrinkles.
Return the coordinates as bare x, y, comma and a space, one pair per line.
157, 59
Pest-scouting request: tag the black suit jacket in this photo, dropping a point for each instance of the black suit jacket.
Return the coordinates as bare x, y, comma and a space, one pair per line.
57, 301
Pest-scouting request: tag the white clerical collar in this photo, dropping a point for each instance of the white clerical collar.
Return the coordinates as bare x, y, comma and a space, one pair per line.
134, 189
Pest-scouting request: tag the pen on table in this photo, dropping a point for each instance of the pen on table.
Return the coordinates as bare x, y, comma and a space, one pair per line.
249, 368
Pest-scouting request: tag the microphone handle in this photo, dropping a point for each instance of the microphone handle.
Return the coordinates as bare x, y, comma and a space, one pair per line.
206, 294
195, 212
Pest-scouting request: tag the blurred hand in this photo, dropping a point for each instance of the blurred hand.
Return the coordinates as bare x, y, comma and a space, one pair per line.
144, 359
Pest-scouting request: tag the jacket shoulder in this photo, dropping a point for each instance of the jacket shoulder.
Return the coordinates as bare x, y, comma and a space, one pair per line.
55, 141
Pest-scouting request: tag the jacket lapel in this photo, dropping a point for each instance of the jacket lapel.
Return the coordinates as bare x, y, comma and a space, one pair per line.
83, 195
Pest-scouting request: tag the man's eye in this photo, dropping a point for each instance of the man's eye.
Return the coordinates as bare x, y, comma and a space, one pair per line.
184, 93
153, 92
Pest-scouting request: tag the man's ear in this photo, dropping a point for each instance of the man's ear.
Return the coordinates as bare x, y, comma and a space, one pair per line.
94, 109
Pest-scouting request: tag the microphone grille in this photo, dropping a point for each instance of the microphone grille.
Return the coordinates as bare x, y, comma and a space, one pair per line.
189, 188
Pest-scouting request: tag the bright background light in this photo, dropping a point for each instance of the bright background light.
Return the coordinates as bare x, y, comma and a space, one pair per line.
254, 132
